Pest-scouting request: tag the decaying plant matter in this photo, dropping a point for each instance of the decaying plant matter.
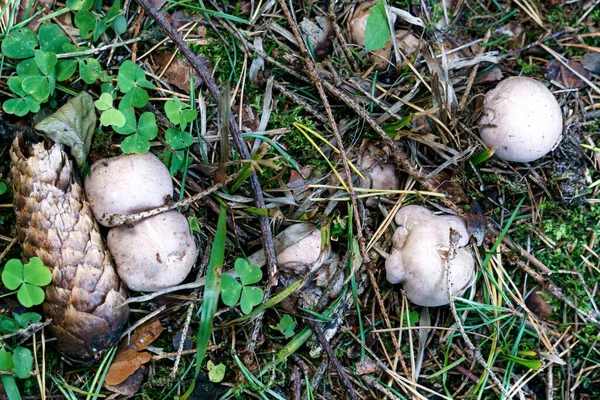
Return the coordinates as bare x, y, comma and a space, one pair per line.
55, 223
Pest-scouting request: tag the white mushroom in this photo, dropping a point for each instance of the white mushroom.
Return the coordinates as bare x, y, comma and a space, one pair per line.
378, 174
127, 184
305, 251
157, 253
524, 117
420, 255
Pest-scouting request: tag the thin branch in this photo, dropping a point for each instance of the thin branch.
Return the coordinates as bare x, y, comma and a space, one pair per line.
199, 63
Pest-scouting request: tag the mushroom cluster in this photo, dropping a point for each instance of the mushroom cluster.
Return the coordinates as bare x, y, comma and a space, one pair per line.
522, 120
159, 251
421, 254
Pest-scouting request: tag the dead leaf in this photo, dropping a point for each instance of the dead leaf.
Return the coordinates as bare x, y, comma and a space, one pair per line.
563, 75
476, 222
178, 72
129, 357
130, 386
72, 125
125, 364
591, 62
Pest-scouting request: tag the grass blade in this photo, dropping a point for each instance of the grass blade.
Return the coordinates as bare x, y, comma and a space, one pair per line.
211, 295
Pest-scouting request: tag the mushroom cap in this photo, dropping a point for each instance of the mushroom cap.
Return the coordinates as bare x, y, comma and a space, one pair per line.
526, 118
127, 184
157, 253
377, 174
419, 256
305, 251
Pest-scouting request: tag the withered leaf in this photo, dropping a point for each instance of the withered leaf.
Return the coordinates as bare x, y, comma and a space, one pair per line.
178, 72
129, 357
72, 125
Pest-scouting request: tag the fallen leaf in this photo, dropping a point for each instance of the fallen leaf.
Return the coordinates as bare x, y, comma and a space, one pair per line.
178, 72
129, 357
130, 386
72, 125
591, 62
125, 364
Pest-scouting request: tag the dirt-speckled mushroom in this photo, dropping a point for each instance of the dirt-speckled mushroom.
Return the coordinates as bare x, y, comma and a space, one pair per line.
127, 184
522, 120
157, 253
420, 255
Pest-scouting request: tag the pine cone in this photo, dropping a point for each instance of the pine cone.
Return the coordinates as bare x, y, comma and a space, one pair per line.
55, 223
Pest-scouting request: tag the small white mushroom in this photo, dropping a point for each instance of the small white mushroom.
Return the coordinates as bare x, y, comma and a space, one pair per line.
305, 251
378, 173
420, 255
157, 253
524, 117
127, 184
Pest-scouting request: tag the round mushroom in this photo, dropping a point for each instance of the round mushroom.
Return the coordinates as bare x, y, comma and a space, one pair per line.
420, 255
127, 184
378, 174
157, 253
522, 120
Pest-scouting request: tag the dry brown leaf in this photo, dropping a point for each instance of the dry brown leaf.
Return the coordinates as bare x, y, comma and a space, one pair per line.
125, 364
178, 72
129, 357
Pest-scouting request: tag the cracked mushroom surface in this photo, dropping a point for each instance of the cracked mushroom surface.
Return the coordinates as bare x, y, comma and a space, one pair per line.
157, 253
420, 255
127, 184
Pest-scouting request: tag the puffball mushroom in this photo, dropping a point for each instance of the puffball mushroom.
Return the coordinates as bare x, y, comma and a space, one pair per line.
157, 253
305, 251
524, 117
127, 184
378, 173
420, 255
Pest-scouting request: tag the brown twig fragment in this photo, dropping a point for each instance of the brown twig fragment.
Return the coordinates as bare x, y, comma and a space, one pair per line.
334, 360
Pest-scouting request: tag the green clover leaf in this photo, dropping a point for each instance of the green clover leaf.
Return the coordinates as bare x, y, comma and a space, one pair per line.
6, 361
20, 43
37, 86
251, 297
17, 107
230, 290
28, 68
36, 273
53, 39
23, 362
177, 139
249, 273
90, 70
27, 318
65, 69
45, 61
12, 276
216, 373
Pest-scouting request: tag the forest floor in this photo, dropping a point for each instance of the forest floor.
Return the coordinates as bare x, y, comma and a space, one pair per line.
310, 104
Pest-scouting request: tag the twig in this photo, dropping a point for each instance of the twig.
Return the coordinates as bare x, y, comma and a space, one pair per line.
316, 81
26, 332
120, 219
199, 63
142, 320
184, 331
145, 36
334, 360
